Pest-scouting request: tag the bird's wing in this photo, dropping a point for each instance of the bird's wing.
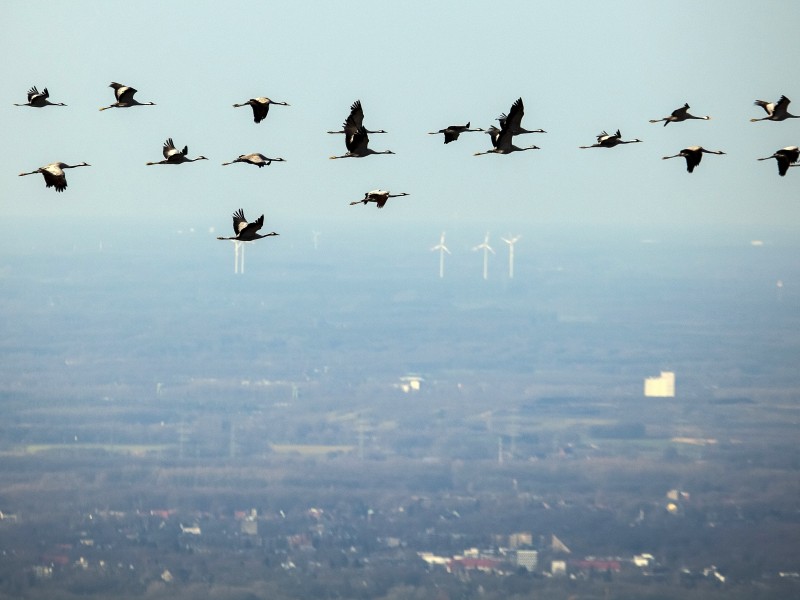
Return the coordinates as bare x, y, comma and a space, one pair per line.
124, 93
514, 118
357, 141
763, 104
680, 112
503, 139
169, 148
352, 123
32, 92
494, 134
450, 135
260, 109
239, 222
782, 104
249, 229
356, 114
54, 177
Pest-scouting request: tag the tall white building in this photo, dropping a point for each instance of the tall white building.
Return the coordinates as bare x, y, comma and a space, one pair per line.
662, 386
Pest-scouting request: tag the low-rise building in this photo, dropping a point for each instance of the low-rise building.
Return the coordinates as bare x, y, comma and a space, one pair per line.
558, 568
528, 559
662, 386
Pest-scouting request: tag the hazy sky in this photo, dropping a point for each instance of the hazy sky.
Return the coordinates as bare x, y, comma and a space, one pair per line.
581, 67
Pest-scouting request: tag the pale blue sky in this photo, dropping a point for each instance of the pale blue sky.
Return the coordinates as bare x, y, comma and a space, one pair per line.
581, 67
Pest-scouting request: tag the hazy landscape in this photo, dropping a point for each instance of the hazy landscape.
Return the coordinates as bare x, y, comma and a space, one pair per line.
189, 432
339, 422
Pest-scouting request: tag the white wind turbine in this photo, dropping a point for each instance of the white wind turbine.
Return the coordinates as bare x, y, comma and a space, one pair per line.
442, 249
486, 249
513, 240
238, 256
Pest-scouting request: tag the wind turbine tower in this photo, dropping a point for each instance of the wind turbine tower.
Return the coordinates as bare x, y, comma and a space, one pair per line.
486, 249
238, 256
442, 249
511, 241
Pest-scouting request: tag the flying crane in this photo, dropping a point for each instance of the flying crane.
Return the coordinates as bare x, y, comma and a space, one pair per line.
260, 107
173, 156
256, 159
357, 143
54, 174
513, 120
786, 157
678, 115
693, 156
502, 142
452, 132
776, 111
39, 99
379, 197
356, 119
606, 140
124, 95
245, 231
